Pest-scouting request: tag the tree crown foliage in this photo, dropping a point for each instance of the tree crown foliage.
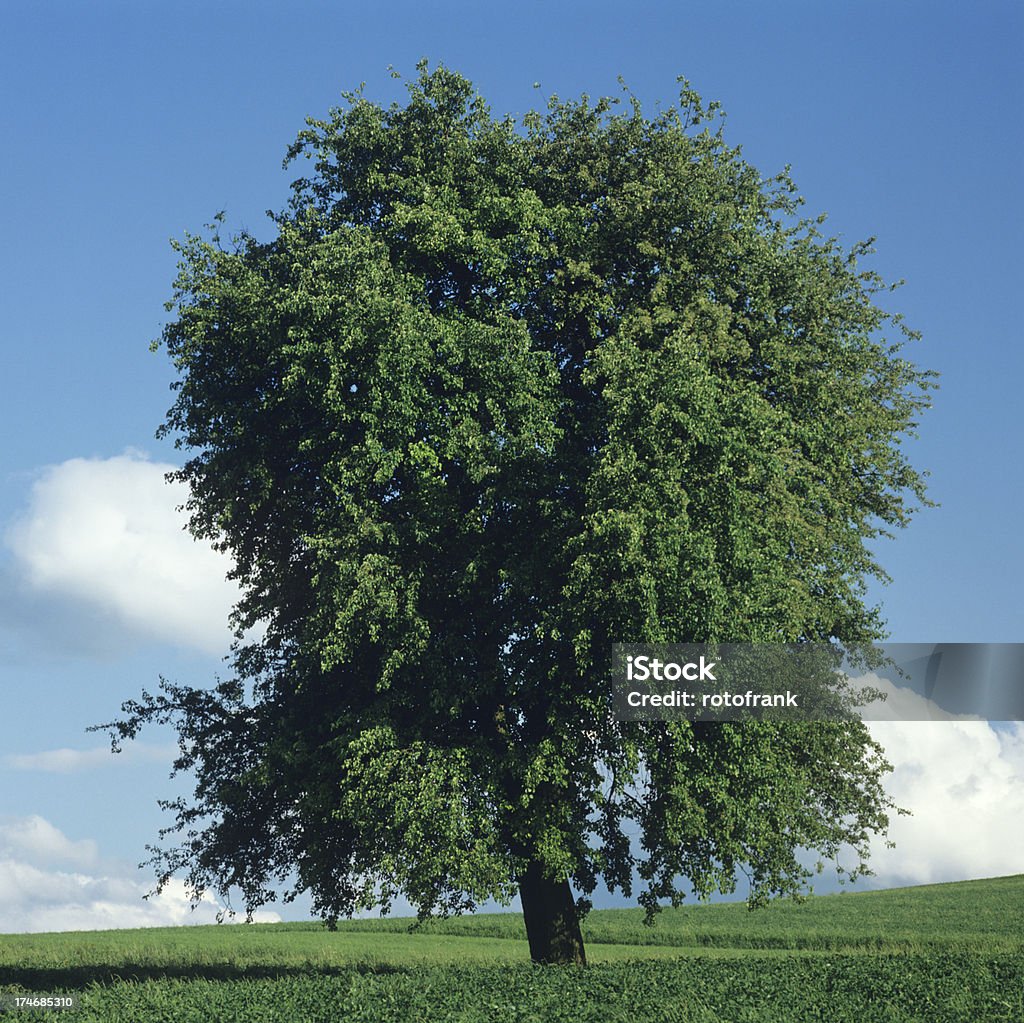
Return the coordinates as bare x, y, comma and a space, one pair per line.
496, 395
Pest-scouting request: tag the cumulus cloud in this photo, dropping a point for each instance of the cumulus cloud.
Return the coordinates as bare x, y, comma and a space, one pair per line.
42, 842
900, 703
49, 882
963, 781
106, 534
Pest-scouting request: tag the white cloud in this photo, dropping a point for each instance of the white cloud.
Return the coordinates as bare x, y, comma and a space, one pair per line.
71, 761
44, 886
901, 703
39, 839
962, 778
963, 781
107, 533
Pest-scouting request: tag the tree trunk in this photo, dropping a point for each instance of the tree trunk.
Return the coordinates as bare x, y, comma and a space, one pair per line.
552, 923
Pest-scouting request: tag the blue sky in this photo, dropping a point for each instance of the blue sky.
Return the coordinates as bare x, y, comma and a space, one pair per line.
126, 124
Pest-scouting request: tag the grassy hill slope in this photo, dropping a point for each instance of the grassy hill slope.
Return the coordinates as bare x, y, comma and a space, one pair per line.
932, 954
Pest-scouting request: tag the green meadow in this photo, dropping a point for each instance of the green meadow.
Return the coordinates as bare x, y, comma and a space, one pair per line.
930, 954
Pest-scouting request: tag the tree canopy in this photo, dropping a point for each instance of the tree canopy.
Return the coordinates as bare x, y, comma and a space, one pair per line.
496, 395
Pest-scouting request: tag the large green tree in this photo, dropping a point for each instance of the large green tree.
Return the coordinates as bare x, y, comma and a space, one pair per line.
494, 396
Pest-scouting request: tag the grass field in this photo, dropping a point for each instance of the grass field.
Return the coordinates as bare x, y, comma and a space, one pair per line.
931, 954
